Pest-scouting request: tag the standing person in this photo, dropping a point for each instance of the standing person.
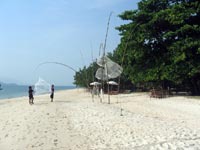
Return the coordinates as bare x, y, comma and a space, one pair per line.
52, 92
31, 98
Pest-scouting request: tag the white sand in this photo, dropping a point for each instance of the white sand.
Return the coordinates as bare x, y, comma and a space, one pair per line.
74, 122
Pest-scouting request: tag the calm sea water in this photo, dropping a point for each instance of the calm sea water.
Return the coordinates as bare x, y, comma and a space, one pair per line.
12, 91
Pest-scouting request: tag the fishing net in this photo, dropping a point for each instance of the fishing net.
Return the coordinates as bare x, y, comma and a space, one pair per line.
42, 87
109, 70
101, 74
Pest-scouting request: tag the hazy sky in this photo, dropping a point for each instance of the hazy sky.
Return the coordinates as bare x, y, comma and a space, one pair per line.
65, 31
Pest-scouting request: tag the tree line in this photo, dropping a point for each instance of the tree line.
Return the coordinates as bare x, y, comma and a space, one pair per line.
159, 47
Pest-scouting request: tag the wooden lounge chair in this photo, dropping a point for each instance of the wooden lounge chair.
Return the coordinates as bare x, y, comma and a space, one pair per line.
158, 93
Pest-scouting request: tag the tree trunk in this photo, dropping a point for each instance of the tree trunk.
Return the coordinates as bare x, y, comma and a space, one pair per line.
195, 89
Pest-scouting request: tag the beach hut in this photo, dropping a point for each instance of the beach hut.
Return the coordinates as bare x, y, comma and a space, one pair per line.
111, 84
95, 83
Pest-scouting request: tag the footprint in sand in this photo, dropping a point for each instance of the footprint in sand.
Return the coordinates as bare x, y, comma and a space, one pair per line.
41, 144
55, 142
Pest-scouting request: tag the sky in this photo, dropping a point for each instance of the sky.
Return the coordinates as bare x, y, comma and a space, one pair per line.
64, 31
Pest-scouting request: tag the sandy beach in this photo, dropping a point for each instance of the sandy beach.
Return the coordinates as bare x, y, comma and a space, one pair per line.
73, 122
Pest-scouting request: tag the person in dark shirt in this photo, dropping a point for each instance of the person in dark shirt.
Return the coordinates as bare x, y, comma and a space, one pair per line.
31, 98
52, 93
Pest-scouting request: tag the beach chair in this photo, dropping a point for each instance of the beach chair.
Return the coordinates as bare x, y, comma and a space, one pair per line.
156, 93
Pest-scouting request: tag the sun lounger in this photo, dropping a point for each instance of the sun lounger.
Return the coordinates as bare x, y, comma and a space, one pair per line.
158, 93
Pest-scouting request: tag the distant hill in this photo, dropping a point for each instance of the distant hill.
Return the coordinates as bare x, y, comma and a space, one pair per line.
8, 84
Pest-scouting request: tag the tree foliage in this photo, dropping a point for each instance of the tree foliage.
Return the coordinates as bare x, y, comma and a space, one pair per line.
86, 75
162, 42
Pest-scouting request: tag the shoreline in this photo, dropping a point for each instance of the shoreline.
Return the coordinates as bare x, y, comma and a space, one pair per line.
73, 121
25, 92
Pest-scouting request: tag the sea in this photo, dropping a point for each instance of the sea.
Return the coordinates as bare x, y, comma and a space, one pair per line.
12, 90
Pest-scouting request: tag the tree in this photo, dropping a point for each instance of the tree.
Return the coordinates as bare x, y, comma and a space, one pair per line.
85, 76
162, 42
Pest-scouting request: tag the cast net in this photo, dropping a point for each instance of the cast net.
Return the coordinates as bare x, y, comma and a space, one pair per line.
108, 70
42, 87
